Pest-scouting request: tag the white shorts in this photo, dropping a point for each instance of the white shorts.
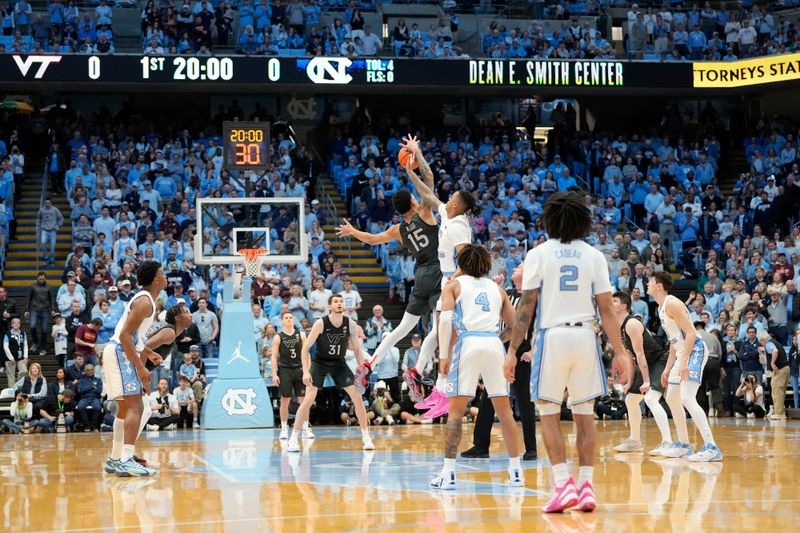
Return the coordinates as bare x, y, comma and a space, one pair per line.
567, 358
475, 356
121, 378
697, 363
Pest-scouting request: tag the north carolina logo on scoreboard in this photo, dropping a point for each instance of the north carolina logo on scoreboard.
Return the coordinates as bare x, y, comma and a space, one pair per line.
329, 70
239, 402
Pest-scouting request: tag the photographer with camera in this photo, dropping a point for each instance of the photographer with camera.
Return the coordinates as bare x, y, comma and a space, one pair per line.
166, 411
22, 413
385, 408
750, 398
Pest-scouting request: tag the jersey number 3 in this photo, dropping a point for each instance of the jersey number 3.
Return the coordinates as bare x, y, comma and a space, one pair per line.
569, 274
418, 239
483, 300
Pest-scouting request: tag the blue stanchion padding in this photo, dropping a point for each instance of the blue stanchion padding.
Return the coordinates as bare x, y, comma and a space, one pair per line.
238, 397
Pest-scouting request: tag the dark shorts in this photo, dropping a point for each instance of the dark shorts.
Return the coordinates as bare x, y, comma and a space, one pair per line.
656, 369
340, 373
427, 290
291, 381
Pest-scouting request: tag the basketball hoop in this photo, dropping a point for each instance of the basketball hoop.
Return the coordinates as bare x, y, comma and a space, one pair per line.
253, 258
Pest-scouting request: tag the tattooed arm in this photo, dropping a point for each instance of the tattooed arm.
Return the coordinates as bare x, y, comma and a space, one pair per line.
412, 144
525, 309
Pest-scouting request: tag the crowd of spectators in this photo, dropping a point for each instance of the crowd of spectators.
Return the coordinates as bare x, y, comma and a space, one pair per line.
63, 28
708, 33
656, 200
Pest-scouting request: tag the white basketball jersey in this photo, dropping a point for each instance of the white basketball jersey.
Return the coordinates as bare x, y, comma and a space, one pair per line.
452, 232
141, 331
568, 277
671, 327
477, 306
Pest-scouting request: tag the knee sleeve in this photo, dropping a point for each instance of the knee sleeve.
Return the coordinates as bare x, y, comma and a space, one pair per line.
583, 408
550, 408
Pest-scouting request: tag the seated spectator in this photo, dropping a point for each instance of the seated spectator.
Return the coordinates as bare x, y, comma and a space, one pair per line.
749, 400
60, 384
89, 389
34, 385
21, 415
384, 407
52, 408
188, 406
166, 411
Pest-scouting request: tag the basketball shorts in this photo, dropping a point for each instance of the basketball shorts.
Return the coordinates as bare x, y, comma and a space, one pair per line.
567, 358
445, 280
427, 290
339, 371
121, 379
477, 355
291, 381
698, 358
655, 369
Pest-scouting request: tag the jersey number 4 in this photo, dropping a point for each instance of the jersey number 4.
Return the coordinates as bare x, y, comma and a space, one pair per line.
569, 274
418, 239
483, 300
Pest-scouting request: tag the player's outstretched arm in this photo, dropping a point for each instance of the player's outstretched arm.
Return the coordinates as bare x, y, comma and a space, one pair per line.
429, 199
347, 230
412, 143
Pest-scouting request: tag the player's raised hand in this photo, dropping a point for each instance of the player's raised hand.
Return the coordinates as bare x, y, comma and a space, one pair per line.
499, 279
410, 142
346, 229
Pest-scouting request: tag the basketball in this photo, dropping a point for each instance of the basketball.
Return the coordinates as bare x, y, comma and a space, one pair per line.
404, 155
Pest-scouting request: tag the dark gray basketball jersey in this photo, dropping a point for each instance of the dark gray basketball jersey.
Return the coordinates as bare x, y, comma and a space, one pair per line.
421, 239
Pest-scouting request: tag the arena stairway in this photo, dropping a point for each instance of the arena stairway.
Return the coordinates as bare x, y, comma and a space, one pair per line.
21, 263
356, 257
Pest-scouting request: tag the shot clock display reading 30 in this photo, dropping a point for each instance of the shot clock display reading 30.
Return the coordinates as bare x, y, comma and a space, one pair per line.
245, 145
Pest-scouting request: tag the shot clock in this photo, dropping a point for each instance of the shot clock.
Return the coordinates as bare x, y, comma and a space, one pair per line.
245, 145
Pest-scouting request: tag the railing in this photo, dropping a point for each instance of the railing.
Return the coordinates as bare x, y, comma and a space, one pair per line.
45, 186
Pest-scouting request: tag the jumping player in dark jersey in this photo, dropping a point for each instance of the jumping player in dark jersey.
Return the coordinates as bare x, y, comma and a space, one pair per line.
331, 335
419, 233
650, 358
287, 370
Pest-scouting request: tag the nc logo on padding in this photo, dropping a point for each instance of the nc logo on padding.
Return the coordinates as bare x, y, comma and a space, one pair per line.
330, 70
239, 402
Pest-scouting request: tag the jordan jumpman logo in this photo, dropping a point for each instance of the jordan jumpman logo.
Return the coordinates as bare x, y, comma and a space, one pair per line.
237, 354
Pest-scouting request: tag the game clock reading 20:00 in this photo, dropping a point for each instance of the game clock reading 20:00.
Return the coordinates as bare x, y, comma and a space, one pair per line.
245, 145
189, 68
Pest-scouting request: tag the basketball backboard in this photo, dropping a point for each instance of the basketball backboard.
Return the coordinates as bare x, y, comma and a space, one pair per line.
226, 225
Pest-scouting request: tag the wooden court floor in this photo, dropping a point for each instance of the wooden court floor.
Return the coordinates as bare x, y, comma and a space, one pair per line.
237, 481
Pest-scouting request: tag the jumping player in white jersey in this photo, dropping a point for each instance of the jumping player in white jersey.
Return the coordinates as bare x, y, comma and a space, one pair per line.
127, 378
454, 233
473, 305
418, 233
565, 276
688, 355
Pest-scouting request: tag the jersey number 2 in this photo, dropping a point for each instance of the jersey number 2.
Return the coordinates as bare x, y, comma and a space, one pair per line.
569, 273
483, 300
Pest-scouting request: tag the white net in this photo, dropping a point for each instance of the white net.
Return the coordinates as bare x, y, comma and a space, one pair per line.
253, 258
